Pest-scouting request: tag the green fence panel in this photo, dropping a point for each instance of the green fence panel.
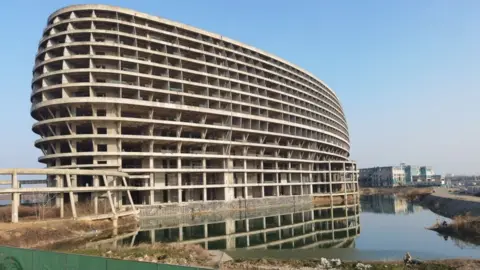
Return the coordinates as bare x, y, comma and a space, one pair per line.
16, 258
43, 260
26, 259
113, 264
86, 262
176, 267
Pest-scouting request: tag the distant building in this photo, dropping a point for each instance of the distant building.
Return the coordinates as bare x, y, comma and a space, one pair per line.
426, 173
432, 180
389, 176
427, 177
393, 176
410, 172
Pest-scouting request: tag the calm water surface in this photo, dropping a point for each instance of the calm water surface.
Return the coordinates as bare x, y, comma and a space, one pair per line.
384, 228
390, 223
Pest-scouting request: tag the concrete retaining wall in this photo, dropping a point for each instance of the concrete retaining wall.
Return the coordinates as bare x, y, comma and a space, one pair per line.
218, 216
450, 207
194, 208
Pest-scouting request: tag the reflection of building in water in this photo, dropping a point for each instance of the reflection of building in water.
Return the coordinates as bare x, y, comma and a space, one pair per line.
416, 208
387, 204
324, 227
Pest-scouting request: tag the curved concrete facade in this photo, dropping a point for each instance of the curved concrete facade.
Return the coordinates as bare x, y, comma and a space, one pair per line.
188, 114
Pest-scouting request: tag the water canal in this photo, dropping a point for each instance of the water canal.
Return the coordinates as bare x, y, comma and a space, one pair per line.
383, 227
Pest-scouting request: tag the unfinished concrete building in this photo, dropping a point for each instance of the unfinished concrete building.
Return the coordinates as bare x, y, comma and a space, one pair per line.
190, 115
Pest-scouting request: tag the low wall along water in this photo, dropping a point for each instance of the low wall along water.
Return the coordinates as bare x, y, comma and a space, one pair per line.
451, 207
204, 207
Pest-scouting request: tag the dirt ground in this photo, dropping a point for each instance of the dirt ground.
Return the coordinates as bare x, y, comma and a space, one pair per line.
44, 233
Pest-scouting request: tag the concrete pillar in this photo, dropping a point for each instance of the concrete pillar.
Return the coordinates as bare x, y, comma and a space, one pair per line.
96, 183
289, 175
179, 180
228, 179
262, 179
114, 193
332, 223
15, 198
345, 187
72, 196
61, 196
330, 182
245, 189
277, 178
74, 182
179, 175
152, 192
120, 194
180, 233
152, 236
59, 202
145, 198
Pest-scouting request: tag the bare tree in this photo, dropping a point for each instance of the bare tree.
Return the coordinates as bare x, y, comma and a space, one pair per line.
42, 203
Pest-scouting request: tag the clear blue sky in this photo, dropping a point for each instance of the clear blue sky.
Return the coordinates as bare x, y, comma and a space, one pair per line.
407, 72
